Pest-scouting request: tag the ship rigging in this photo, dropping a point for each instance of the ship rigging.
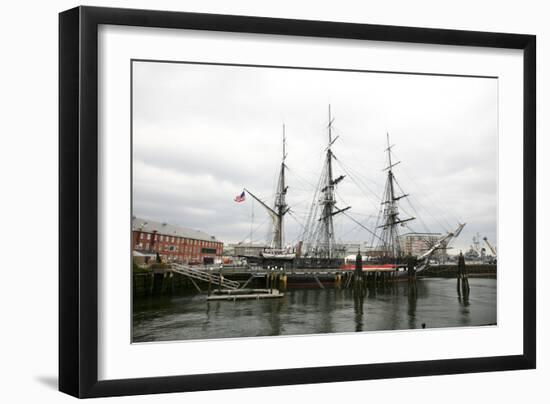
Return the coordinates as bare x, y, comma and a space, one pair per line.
319, 237
390, 244
318, 244
277, 213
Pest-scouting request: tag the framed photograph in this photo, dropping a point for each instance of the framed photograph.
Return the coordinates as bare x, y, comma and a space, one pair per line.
250, 201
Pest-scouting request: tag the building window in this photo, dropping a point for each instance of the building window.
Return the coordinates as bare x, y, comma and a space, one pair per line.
148, 236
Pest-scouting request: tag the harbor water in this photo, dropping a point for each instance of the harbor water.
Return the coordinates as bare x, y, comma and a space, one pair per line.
433, 303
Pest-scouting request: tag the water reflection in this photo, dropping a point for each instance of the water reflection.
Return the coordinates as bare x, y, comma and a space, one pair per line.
358, 301
431, 301
412, 298
464, 299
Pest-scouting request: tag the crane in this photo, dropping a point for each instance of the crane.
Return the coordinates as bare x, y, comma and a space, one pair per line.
493, 249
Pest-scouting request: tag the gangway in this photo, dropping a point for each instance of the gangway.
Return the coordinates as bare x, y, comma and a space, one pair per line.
205, 275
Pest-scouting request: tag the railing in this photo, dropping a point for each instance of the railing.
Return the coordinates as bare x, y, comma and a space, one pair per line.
205, 275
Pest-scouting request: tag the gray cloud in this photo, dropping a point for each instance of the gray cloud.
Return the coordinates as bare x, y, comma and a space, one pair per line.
202, 133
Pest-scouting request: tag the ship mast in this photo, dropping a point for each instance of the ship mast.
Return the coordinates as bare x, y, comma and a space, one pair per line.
328, 202
390, 234
280, 208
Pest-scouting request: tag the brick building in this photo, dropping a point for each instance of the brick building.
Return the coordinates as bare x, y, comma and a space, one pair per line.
418, 243
175, 243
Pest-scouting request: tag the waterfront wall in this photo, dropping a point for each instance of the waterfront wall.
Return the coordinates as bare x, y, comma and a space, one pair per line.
163, 281
450, 270
172, 283
150, 283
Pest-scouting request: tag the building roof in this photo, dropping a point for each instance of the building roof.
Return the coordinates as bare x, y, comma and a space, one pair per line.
150, 226
413, 233
248, 245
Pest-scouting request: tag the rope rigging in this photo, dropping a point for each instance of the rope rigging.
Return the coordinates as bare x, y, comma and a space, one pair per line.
319, 225
436, 204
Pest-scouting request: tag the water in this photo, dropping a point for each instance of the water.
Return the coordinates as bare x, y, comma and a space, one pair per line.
316, 311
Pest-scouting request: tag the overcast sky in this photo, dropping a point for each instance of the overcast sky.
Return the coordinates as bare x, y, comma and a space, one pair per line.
202, 133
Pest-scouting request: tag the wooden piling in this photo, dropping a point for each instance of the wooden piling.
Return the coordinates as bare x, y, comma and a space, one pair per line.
282, 281
358, 275
462, 282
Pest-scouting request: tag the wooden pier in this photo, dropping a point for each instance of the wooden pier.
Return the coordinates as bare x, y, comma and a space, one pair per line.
245, 294
216, 279
174, 278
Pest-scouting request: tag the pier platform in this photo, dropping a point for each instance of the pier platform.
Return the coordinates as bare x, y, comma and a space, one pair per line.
245, 294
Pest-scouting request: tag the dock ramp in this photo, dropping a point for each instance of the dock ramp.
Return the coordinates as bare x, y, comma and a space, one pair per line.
205, 275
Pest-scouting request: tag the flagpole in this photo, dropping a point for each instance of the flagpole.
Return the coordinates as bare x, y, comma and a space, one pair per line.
252, 221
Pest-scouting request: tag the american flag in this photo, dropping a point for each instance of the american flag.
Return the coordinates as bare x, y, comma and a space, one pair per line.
240, 198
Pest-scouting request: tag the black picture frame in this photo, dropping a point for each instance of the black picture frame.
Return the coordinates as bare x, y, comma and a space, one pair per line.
78, 201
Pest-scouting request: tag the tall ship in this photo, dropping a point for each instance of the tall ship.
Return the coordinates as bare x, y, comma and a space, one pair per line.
318, 246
